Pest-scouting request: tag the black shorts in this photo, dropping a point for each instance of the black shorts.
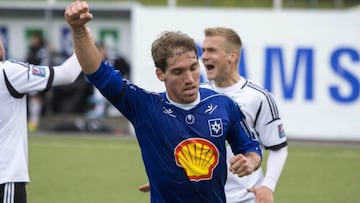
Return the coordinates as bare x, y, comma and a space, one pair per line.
13, 193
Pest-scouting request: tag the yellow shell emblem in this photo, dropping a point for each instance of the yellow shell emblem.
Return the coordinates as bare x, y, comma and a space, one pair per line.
198, 157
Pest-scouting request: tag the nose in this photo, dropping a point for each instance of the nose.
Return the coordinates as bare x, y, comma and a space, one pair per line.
188, 77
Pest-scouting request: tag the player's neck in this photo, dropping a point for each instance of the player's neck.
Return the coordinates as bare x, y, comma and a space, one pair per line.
230, 80
185, 106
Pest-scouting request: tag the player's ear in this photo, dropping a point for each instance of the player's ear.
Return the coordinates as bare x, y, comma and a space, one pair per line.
159, 74
234, 56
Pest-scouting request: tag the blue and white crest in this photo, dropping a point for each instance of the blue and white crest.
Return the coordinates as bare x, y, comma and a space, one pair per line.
216, 127
189, 119
38, 71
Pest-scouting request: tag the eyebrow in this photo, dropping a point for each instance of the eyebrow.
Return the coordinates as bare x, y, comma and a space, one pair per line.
191, 65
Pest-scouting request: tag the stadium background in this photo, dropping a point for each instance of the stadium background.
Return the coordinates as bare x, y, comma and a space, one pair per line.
308, 58
78, 167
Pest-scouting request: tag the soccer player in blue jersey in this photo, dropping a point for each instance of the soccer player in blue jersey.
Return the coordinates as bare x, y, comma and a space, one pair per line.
181, 132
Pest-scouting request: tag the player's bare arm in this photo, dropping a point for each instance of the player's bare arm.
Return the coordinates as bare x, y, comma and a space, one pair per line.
77, 14
243, 165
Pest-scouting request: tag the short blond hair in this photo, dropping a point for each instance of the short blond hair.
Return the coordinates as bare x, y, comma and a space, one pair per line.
233, 40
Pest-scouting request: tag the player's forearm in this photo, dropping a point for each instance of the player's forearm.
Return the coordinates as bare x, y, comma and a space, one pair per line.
274, 166
67, 72
85, 50
77, 14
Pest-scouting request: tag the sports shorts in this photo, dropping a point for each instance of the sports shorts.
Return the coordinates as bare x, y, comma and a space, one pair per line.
13, 192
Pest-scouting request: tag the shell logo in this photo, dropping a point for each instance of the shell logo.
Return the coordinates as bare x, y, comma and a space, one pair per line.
198, 157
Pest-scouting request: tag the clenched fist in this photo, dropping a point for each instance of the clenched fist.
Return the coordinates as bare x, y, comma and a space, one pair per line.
77, 14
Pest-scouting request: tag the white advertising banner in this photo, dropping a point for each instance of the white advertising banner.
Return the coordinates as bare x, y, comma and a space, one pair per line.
309, 60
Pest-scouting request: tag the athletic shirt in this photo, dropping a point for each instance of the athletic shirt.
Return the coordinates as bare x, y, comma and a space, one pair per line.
262, 115
16, 79
183, 151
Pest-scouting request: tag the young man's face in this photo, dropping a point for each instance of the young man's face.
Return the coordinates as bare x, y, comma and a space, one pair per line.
181, 78
215, 59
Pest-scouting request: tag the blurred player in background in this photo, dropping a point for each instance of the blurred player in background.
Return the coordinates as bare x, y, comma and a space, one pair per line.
38, 54
181, 132
221, 56
16, 80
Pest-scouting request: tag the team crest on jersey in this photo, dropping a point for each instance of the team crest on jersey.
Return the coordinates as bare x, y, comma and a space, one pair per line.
198, 157
38, 71
281, 131
215, 127
189, 119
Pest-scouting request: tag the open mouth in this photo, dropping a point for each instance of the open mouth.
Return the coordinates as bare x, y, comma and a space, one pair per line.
209, 67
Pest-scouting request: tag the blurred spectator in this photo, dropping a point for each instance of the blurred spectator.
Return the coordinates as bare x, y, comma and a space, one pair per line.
38, 54
115, 59
99, 102
72, 98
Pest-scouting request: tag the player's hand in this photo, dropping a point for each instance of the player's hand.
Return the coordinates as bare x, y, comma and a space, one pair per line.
241, 165
77, 14
262, 194
145, 187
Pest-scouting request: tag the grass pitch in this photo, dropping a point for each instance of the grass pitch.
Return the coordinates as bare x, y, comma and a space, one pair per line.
82, 169
96, 169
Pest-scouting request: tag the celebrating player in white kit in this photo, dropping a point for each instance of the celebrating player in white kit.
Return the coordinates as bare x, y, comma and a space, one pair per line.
221, 56
16, 80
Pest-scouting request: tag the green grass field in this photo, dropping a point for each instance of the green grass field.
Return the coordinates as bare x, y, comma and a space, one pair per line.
97, 169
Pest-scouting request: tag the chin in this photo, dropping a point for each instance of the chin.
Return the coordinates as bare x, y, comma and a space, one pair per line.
210, 76
190, 98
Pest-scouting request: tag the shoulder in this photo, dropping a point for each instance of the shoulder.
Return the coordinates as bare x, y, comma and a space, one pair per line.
136, 91
256, 90
14, 62
207, 85
211, 95
12, 66
21, 78
206, 92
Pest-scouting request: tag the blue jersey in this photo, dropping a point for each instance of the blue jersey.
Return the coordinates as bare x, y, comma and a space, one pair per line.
183, 151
